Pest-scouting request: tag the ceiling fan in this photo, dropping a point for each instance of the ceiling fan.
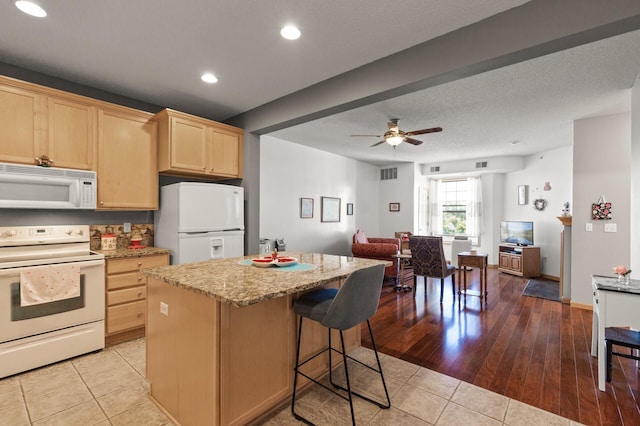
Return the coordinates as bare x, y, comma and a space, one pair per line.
394, 136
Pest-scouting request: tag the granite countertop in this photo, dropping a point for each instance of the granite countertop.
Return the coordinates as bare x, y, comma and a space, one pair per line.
239, 284
603, 282
122, 253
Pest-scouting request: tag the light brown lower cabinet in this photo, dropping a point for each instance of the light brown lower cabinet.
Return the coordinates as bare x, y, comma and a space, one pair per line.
215, 364
126, 296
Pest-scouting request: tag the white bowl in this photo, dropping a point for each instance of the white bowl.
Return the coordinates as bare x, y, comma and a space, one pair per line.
262, 263
286, 261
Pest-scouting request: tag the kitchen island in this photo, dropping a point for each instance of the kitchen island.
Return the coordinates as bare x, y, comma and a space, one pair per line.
221, 334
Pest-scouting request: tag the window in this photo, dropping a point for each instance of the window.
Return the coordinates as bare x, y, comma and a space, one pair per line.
454, 207
454, 196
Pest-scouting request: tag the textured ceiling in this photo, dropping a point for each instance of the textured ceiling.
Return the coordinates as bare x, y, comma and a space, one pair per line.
155, 52
533, 102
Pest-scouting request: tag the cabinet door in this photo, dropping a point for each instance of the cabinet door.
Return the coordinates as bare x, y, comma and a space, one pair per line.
516, 263
21, 133
504, 261
225, 154
127, 170
72, 133
188, 145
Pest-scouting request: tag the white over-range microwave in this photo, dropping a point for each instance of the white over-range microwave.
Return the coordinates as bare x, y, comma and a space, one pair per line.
34, 187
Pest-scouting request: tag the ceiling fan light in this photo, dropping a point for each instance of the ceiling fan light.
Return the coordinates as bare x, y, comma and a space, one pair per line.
395, 140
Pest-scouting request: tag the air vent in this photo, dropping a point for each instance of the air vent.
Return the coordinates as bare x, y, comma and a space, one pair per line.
435, 169
46, 171
391, 173
481, 164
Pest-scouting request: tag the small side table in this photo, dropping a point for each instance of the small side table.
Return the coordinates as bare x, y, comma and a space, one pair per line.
402, 257
472, 260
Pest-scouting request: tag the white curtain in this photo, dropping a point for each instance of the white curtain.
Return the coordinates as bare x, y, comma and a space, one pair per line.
474, 207
435, 208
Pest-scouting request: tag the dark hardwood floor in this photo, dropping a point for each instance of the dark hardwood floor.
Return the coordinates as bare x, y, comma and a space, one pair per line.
533, 350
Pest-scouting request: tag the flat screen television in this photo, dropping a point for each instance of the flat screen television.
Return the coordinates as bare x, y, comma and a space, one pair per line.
516, 232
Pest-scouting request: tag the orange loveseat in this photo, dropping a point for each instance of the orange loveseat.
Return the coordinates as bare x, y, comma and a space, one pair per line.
377, 248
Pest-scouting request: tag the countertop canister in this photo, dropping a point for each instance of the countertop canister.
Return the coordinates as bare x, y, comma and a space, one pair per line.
108, 241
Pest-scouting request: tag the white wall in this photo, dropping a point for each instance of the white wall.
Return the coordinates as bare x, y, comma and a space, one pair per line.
367, 204
601, 165
555, 167
635, 180
401, 190
492, 202
289, 171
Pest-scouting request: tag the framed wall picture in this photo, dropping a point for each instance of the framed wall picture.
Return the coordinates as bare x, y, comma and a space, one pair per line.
306, 208
349, 209
394, 207
329, 209
523, 193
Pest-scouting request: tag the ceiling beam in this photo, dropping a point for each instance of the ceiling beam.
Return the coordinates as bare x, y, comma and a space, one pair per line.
534, 29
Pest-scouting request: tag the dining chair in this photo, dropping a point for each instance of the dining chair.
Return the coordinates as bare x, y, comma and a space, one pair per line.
428, 261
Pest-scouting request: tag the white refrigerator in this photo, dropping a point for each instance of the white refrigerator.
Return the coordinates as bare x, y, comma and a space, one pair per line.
200, 221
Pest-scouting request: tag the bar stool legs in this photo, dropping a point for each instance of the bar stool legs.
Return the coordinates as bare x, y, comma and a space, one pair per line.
346, 389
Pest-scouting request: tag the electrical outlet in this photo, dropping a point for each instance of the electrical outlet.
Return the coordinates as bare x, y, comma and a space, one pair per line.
588, 227
127, 227
164, 309
610, 227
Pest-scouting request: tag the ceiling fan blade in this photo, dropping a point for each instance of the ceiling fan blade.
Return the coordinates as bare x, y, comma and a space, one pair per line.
378, 143
366, 136
423, 131
412, 141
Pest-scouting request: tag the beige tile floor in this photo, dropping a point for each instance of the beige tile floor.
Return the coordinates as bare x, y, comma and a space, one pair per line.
108, 388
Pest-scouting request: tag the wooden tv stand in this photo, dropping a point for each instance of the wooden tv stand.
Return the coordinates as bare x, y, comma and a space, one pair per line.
520, 261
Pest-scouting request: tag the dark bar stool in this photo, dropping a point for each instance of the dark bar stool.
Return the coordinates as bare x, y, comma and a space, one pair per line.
341, 309
621, 337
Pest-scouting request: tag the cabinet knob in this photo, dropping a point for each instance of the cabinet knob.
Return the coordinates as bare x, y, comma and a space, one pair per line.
139, 277
139, 293
204, 168
102, 203
139, 314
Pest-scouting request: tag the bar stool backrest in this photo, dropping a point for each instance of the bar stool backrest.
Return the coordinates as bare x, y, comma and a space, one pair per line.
357, 300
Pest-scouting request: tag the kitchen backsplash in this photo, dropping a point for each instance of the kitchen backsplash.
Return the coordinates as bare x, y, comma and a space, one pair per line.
123, 239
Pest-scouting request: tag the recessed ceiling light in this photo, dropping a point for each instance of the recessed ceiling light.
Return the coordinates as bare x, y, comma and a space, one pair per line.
207, 77
31, 8
290, 32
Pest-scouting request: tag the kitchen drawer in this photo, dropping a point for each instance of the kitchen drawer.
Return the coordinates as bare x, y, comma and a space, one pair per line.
125, 280
117, 297
124, 317
116, 266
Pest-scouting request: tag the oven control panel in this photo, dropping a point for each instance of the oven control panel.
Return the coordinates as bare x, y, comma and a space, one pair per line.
50, 234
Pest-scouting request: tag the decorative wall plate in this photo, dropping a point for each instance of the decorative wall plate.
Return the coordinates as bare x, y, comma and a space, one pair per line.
540, 204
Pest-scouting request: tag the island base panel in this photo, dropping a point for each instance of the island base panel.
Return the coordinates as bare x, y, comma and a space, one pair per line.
182, 353
211, 363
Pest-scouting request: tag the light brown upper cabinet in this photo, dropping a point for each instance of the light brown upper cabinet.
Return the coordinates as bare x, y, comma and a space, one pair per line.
20, 124
37, 121
72, 133
194, 146
127, 170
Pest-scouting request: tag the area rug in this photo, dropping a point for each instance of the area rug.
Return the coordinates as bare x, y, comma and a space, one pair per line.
543, 289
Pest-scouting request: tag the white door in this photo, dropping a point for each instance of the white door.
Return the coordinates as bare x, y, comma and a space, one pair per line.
210, 207
209, 245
